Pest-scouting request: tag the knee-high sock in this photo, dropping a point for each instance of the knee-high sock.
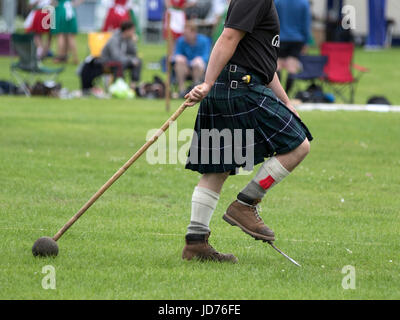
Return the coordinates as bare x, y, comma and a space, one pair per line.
204, 202
270, 174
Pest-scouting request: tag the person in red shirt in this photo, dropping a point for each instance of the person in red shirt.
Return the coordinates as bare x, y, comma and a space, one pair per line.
176, 10
119, 12
38, 22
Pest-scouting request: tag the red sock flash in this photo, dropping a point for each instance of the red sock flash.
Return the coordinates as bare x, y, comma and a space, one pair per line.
267, 182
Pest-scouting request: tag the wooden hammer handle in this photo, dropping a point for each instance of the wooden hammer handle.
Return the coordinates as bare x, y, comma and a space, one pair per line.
120, 172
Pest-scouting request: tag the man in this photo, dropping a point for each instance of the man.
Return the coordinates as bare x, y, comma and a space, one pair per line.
121, 49
242, 92
118, 54
295, 22
191, 57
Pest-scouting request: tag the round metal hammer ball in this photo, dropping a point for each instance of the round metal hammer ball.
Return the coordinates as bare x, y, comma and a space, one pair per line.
45, 247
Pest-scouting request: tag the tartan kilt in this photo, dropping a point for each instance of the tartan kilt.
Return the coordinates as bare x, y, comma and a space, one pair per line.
250, 124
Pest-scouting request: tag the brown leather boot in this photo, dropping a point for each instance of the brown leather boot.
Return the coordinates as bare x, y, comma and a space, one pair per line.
197, 247
246, 217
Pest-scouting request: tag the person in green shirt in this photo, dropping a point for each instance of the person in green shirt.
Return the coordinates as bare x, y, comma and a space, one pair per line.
66, 28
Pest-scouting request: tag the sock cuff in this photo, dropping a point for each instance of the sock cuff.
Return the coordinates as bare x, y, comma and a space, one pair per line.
198, 228
206, 192
206, 197
275, 169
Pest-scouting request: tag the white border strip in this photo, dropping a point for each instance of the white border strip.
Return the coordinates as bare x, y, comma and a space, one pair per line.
347, 107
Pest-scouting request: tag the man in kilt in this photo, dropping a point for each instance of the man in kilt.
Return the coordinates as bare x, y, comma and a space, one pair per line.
242, 94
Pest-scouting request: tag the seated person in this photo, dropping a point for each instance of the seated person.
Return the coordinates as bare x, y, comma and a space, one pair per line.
118, 55
191, 57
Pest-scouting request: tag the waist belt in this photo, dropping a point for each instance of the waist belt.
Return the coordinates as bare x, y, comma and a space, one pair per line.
242, 78
234, 68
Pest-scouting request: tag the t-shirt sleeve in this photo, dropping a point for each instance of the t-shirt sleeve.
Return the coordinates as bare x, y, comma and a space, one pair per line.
243, 14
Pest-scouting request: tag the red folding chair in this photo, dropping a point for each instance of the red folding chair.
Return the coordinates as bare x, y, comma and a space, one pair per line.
342, 75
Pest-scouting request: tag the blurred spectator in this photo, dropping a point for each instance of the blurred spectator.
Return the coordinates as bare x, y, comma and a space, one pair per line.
207, 14
199, 9
191, 56
66, 27
118, 55
295, 22
120, 11
38, 22
333, 25
218, 15
176, 11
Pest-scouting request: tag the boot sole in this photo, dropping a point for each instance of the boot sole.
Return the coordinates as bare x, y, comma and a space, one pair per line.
207, 259
256, 236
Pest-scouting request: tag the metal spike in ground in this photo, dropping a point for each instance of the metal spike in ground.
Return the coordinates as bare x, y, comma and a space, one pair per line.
284, 254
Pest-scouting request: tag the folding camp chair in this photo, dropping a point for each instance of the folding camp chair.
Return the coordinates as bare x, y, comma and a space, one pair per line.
28, 63
96, 42
154, 23
339, 69
312, 69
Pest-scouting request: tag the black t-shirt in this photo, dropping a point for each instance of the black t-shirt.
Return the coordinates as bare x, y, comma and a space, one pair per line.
258, 50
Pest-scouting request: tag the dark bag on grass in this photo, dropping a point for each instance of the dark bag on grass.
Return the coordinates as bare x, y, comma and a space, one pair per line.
8, 88
46, 89
313, 94
379, 100
152, 90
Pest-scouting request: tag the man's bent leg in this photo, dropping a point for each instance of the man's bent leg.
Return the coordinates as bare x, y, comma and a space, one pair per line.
293, 67
243, 212
204, 201
181, 71
198, 70
136, 70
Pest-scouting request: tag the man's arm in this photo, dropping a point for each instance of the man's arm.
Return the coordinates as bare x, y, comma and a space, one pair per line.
276, 87
223, 51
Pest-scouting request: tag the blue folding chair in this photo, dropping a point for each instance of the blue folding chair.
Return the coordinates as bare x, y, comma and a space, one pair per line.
312, 68
155, 15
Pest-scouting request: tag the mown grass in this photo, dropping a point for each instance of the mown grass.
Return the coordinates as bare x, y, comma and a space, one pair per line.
341, 207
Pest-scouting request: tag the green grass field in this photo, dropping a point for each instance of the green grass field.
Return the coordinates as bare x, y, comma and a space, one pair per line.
56, 154
339, 208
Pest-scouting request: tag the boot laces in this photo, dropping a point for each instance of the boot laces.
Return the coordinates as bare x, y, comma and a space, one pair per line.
256, 210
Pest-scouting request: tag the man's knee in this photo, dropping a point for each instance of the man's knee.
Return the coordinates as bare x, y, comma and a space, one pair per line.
216, 177
304, 149
213, 181
198, 63
180, 60
293, 65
